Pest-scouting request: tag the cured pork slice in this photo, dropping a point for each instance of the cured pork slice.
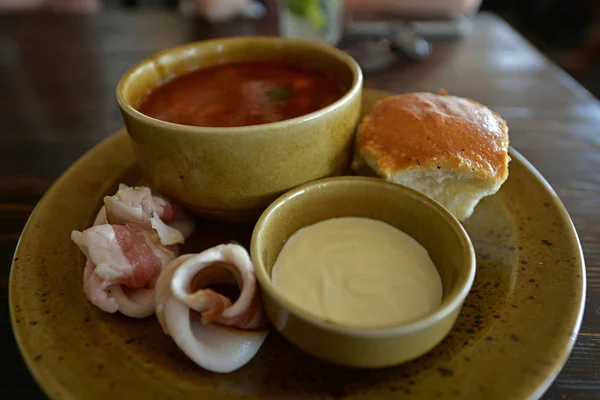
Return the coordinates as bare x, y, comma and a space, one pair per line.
137, 205
123, 264
215, 332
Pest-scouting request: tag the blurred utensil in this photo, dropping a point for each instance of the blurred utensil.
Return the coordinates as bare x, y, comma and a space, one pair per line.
376, 53
376, 45
407, 41
372, 54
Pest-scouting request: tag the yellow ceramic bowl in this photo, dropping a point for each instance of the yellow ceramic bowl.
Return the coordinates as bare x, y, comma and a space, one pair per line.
234, 173
422, 218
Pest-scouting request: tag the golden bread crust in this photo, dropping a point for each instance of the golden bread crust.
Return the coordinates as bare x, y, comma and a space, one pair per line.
426, 129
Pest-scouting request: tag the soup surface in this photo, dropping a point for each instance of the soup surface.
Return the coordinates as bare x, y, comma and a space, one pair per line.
358, 272
241, 94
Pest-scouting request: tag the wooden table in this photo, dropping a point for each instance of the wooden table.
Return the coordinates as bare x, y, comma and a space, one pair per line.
57, 82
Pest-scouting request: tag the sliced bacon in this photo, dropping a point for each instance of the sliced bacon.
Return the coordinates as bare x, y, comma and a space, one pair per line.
137, 205
123, 263
138, 303
215, 333
101, 217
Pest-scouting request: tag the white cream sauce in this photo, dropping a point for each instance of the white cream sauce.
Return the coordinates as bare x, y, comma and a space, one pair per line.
357, 272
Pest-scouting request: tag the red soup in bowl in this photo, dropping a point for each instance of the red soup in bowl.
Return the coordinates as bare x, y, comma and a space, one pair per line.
241, 94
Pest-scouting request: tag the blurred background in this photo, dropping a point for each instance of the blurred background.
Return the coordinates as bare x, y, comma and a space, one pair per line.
567, 31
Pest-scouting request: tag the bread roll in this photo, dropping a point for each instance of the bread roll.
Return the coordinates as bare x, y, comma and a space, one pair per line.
452, 149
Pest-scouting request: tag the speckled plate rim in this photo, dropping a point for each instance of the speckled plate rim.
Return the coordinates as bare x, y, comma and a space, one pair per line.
555, 369
45, 379
50, 385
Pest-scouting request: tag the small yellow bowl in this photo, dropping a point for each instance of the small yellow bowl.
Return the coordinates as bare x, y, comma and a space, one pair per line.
234, 173
422, 218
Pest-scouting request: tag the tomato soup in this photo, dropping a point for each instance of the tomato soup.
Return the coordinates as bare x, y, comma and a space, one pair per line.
242, 94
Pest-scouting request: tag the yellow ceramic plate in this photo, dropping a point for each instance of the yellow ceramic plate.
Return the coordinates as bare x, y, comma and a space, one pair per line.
511, 339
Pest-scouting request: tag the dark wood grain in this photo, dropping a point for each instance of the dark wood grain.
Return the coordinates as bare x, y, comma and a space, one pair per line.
57, 83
